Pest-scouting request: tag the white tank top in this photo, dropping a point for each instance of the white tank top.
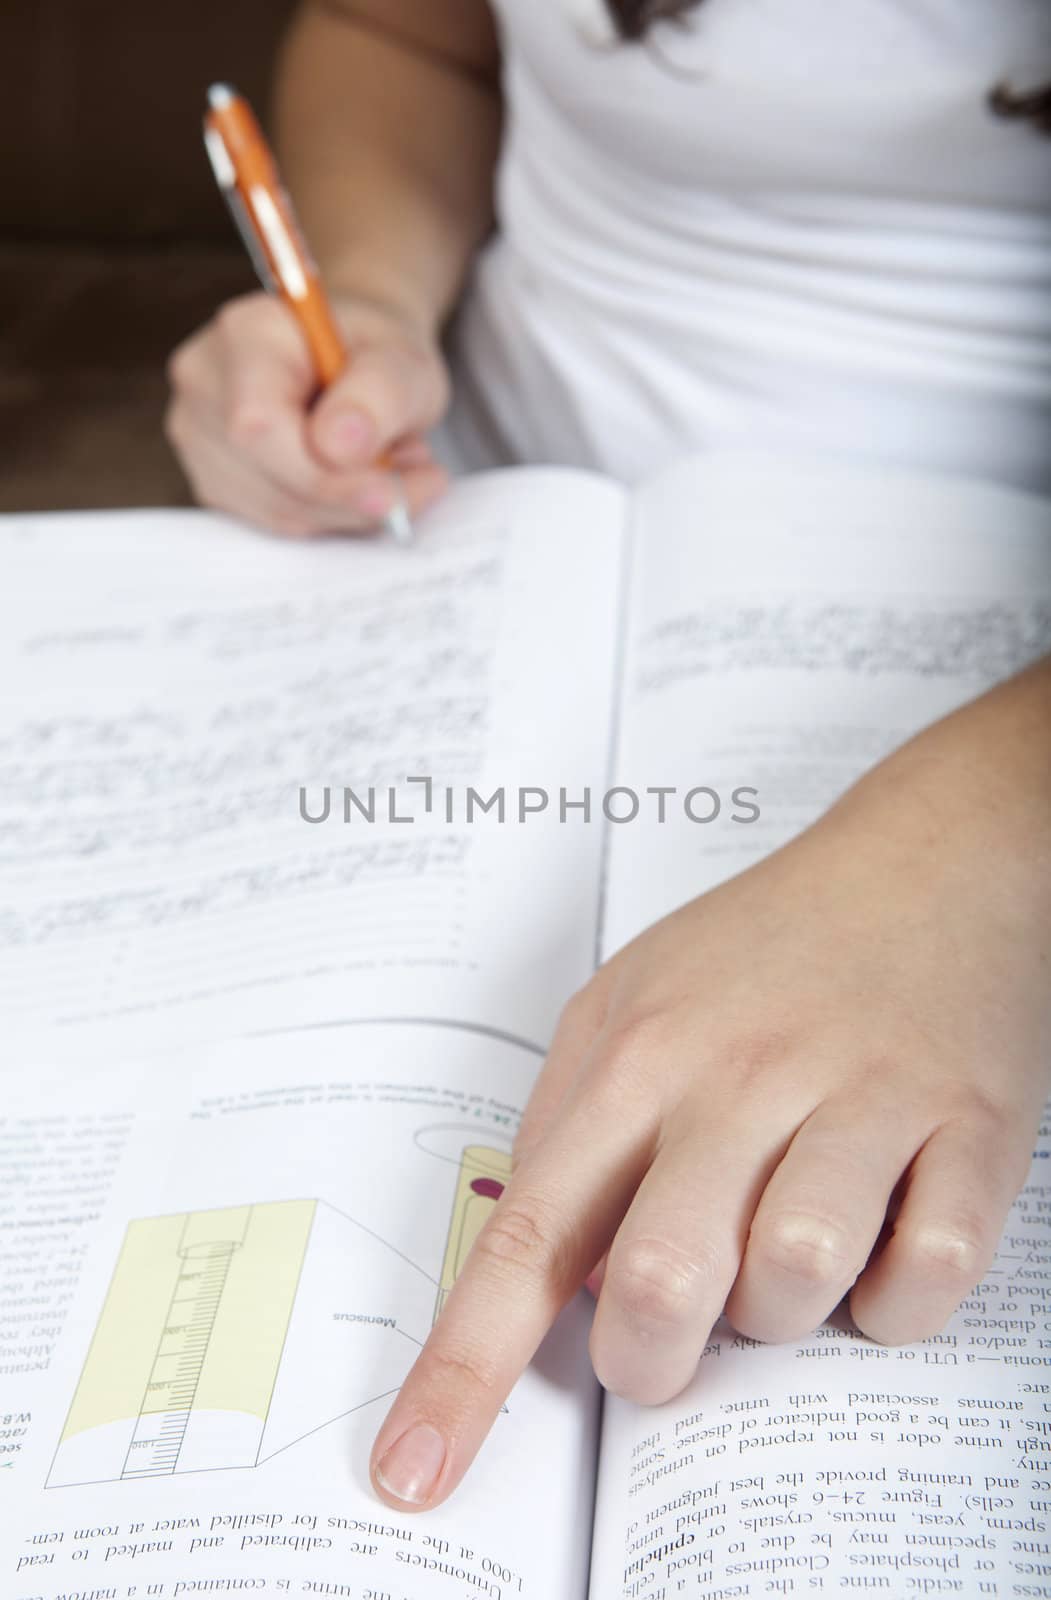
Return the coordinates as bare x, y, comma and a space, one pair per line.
786, 224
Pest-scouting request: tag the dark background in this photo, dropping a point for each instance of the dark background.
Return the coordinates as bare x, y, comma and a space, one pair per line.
114, 243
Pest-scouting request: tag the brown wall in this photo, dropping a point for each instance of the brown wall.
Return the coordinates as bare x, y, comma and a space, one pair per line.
114, 244
100, 111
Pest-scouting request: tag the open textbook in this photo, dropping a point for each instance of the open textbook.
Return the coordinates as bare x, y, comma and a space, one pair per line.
302, 848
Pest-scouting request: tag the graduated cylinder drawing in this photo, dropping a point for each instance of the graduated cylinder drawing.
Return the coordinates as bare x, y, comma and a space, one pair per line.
181, 1370
229, 1334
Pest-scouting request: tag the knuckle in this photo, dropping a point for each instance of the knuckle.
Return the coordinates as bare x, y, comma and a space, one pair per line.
582, 1012
181, 365
753, 1055
992, 1119
653, 1281
522, 1238
239, 317
577, 1009
998, 1131
630, 1045
811, 1248
463, 1372
955, 1250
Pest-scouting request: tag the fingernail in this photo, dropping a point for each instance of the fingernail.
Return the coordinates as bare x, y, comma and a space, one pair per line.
412, 1465
351, 432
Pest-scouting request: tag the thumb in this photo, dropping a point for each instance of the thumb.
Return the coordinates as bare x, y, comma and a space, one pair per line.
386, 392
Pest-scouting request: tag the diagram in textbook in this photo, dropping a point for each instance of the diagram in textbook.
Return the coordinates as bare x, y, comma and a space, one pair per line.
186, 1352
229, 1334
481, 1181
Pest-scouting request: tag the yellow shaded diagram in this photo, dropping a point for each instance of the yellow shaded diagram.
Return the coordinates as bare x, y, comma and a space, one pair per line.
221, 1326
484, 1174
181, 1369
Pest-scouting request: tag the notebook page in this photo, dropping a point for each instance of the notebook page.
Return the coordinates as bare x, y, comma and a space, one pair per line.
217, 1269
177, 694
789, 627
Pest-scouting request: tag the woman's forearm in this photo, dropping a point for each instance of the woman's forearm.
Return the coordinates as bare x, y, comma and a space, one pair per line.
388, 124
977, 787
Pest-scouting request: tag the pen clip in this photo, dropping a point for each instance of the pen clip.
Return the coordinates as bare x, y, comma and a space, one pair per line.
225, 177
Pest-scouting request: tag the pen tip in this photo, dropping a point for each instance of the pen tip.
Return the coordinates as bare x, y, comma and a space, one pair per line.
399, 524
220, 95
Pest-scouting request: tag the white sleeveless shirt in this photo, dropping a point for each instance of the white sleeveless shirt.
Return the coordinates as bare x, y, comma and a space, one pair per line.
787, 224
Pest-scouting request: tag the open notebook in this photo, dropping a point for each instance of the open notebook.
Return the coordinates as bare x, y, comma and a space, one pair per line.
272, 1006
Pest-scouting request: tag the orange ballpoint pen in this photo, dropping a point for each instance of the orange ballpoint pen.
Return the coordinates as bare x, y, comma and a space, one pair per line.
248, 178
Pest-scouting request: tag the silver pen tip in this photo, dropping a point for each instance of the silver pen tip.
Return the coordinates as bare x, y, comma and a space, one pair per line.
399, 524
220, 95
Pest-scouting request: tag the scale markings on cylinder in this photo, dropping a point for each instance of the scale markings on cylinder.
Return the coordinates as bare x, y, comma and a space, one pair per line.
176, 1372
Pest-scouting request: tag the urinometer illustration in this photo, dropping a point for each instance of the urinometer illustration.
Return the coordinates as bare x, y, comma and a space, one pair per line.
217, 1323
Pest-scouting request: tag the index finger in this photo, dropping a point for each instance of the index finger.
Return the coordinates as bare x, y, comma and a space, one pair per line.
547, 1230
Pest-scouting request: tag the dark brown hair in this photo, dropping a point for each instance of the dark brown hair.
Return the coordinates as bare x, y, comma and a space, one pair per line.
635, 17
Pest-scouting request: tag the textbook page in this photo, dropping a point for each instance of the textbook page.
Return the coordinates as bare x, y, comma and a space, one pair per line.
216, 1269
787, 629
178, 694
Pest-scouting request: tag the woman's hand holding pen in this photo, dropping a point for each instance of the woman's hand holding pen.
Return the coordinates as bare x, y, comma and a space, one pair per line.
823, 1078
252, 444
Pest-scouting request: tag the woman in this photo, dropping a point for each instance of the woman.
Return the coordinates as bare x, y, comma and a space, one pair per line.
770, 222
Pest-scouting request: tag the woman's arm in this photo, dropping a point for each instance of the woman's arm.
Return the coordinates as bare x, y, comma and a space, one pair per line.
823, 1078
389, 123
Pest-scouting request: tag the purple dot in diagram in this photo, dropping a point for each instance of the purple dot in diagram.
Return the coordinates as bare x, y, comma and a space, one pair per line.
492, 1188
